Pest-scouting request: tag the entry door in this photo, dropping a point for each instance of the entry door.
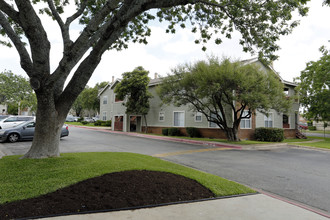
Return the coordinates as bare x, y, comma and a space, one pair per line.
119, 122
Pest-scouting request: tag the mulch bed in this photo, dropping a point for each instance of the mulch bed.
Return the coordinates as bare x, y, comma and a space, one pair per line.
110, 191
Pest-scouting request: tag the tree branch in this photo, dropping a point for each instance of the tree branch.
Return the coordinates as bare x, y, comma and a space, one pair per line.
12, 13
26, 62
81, 9
64, 28
36, 34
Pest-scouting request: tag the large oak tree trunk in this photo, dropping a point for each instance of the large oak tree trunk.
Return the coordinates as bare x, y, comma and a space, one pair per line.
232, 134
48, 129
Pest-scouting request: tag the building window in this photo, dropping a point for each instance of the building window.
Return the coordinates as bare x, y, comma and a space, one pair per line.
269, 120
213, 124
286, 91
198, 117
161, 116
104, 116
105, 100
178, 119
245, 122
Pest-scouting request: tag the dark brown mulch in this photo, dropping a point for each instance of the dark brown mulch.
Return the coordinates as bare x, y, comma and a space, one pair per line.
110, 191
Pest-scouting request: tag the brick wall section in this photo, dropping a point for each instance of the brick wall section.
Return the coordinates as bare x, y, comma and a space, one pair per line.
290, 133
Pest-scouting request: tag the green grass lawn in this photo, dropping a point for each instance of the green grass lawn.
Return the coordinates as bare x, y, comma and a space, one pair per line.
21, 179
297, 140
325, 143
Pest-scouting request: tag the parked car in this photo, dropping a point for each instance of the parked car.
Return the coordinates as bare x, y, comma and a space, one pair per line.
96, 118
70, 118
89, 120
24, 131
3, 117
303, 126
12, 121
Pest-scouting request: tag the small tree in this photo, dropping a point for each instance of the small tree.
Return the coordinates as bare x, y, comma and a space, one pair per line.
88, 99
223, 90
314, 87
16, 91
134, 86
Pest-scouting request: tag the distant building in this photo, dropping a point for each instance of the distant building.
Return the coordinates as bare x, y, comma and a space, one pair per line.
165, 116
3, 110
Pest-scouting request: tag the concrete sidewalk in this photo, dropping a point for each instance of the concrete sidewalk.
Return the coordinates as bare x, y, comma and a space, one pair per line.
252, 207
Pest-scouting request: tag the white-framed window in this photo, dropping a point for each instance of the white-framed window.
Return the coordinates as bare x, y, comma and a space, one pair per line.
213, 124
198, 117
178, 119
104, 116
245, 122
161, 116
105, 100
269, 120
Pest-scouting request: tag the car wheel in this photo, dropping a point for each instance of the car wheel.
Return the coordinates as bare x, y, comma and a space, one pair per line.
13, 137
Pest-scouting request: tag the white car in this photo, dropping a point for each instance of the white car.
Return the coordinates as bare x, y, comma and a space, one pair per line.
12, 121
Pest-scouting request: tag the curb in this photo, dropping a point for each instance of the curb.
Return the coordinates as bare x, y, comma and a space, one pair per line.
295, 203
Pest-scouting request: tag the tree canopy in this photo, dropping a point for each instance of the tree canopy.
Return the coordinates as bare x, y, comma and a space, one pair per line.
15, 90
112, 24
134, 89
88, 99
314, 92
222, 90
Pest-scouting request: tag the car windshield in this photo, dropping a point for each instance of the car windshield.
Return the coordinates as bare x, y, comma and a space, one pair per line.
22, 125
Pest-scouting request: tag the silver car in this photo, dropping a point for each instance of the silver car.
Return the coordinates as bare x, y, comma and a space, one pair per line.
14, 120
24, 131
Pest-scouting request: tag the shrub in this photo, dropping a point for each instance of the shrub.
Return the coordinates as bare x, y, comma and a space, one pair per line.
269, 134
165, 131
312, 128
98, 123
108, 123
84, 122
174, 132
80, 119
193, 132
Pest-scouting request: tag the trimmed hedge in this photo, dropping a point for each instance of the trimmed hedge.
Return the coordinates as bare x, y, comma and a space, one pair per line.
269, 134
193, 132
174, 132
165, 131
84, 122
98, 123
103, 123
312, 128
108, 123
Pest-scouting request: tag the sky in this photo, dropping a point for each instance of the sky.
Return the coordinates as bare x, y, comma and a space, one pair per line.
165, 51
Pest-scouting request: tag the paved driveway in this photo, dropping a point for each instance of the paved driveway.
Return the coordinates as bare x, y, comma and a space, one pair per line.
298, 174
